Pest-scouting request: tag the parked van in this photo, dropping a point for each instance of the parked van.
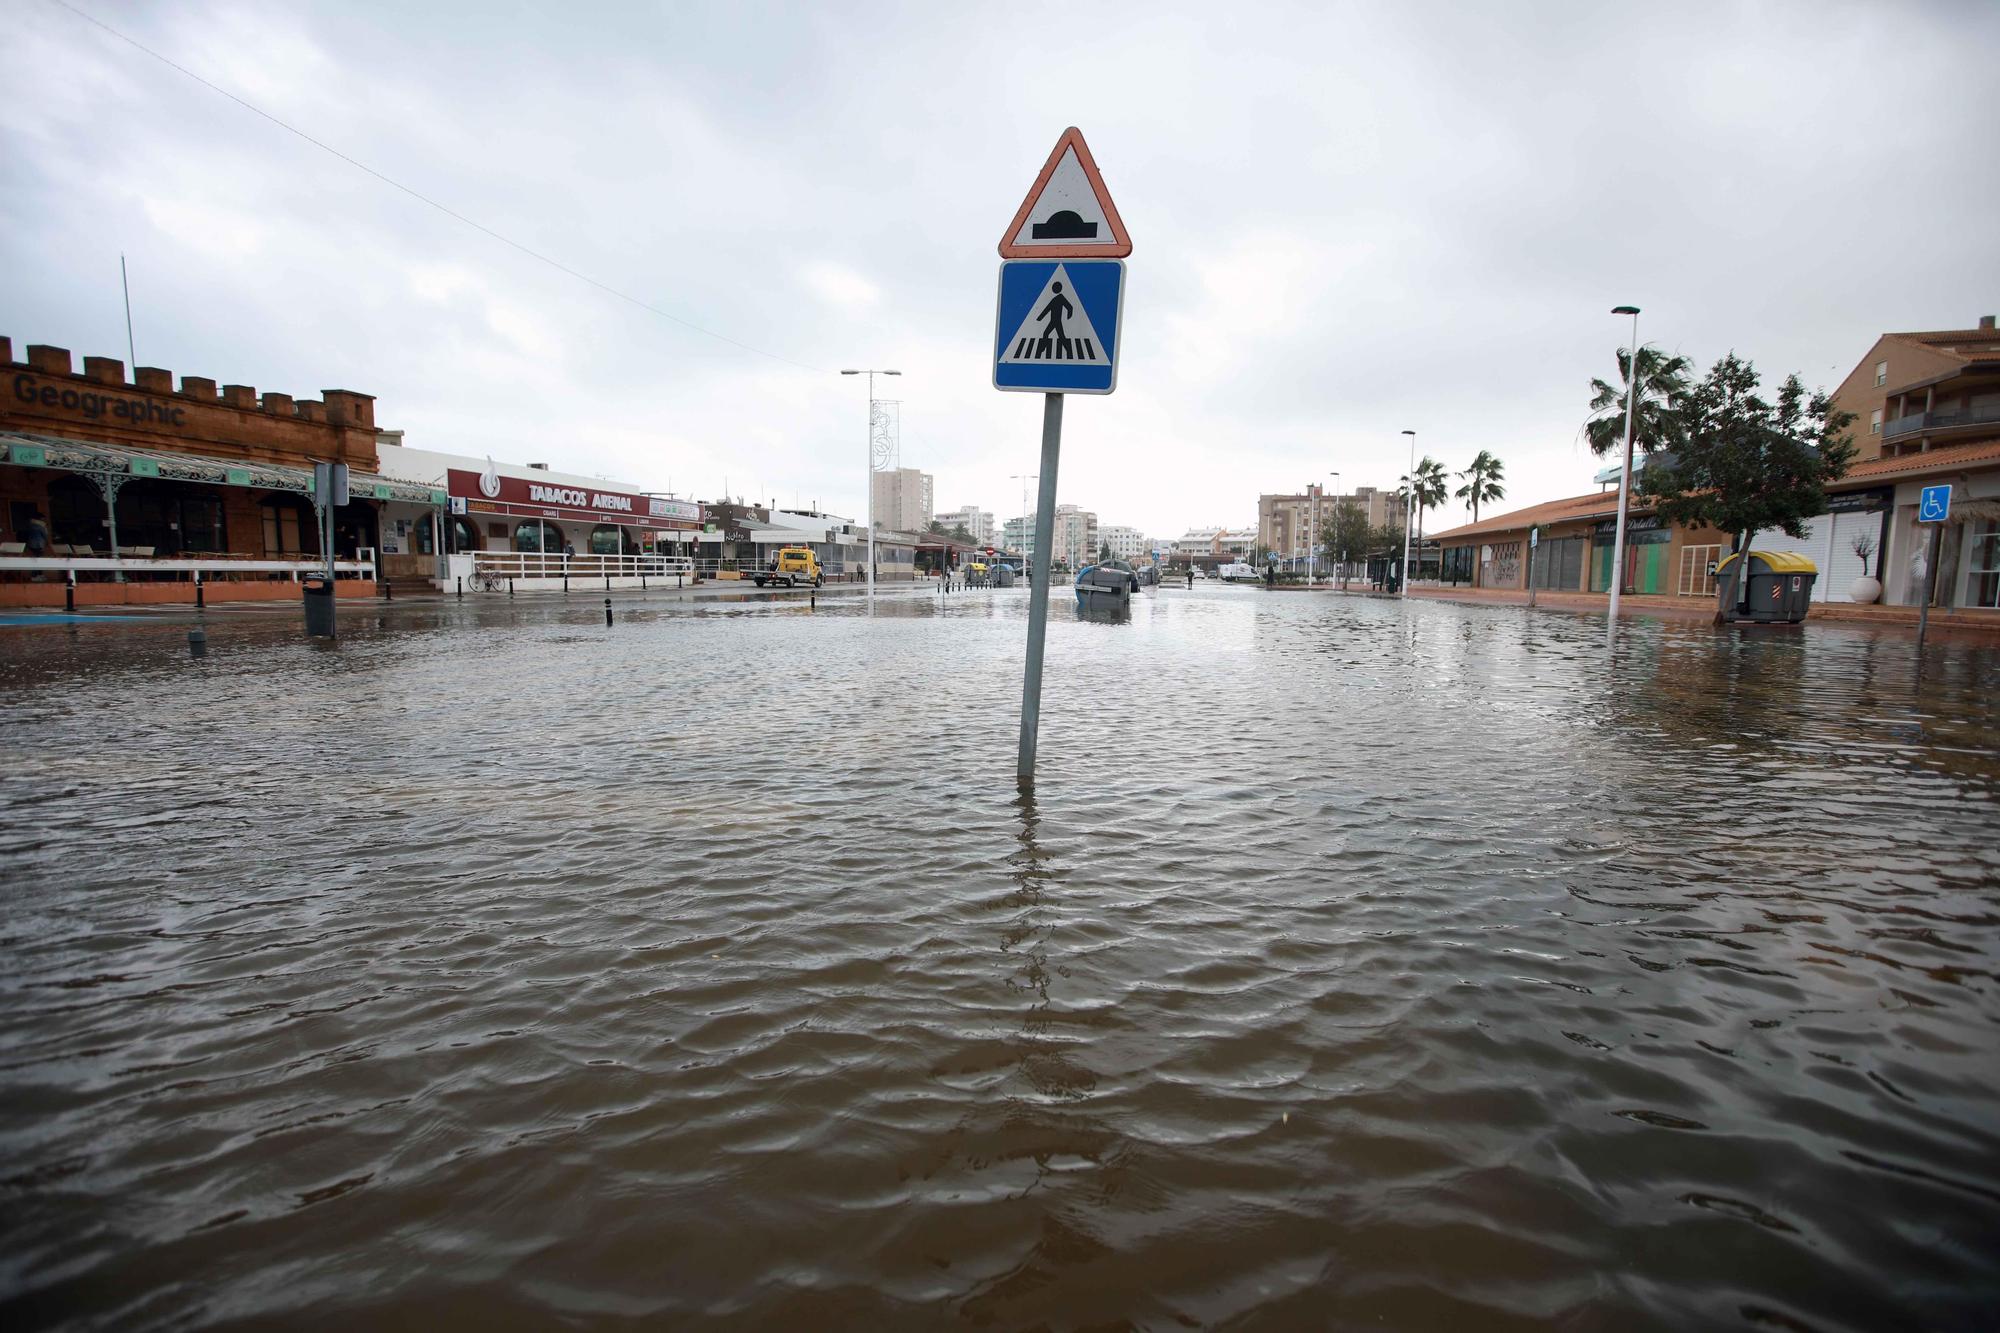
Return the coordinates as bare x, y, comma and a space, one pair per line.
791, 566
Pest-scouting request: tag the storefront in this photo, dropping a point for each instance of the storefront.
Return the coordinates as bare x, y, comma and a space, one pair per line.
527, 510
114, 491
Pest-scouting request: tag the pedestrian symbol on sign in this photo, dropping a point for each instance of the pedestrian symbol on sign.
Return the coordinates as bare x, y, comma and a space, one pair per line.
1056, 329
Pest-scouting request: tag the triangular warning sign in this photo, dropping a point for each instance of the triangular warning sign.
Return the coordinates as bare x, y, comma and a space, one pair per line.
1068, 213
1056, 331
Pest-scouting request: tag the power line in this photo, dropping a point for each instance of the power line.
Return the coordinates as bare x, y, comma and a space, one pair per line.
420, 197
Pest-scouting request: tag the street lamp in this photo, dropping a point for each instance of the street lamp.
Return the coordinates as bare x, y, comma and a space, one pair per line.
1625, 473
1336, 525
1409, 505
871, 374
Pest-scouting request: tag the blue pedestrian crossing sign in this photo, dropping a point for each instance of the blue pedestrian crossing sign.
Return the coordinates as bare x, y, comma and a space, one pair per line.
1057, 326
1934, 504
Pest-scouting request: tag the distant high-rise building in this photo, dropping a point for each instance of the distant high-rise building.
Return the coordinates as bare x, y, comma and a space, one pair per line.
903, 499
977, 522
1076, 539
1125, 543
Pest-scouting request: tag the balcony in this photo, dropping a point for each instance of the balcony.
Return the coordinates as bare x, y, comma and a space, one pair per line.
1929, 422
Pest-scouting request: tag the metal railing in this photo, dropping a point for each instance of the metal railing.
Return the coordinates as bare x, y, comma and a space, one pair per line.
1916, 421
555, 565
185, 567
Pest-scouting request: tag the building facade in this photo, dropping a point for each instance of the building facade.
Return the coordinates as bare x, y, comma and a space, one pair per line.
1285, 523
101, 471
1927, 412
1076, 539
1128, 544
977, 522
902, 499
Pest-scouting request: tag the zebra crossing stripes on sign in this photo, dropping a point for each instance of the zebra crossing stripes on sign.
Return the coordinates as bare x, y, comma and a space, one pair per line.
1057, 326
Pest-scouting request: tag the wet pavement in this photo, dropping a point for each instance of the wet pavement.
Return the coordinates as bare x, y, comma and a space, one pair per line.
1356, 963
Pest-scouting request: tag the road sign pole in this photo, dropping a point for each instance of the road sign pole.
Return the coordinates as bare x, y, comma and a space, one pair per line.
1038, 587
1930, 589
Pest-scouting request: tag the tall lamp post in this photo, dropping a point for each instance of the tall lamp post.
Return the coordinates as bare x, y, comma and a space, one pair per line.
1312, 529
871, 374
1625, 473
1409, 506
1335, 553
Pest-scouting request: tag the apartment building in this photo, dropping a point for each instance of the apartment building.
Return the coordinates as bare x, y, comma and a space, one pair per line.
1125, 543
977, 522
1285, 522
902, 499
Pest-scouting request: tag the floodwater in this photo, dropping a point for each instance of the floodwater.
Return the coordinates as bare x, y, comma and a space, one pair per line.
1357, 964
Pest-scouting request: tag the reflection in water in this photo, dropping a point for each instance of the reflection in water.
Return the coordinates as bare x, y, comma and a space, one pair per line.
1354, 963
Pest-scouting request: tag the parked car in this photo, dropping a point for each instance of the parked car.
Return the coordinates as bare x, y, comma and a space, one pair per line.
791, 566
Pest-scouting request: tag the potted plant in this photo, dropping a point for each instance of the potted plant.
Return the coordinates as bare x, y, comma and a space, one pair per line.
1864, 589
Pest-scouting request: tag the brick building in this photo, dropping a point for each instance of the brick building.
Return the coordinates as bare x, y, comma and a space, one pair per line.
138, 485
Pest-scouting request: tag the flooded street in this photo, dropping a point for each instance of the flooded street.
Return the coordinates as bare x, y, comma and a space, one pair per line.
1355, 964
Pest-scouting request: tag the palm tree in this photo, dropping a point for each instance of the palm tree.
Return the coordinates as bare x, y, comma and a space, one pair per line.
1432, 486
1482, 482
1663, 389
1482, 486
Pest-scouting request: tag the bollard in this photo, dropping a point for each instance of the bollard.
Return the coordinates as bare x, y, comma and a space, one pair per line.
510, 590
200, 596
607, 583
461, 587
389, 592
565, 583
197, 642
607, 610
642, 580
69, 593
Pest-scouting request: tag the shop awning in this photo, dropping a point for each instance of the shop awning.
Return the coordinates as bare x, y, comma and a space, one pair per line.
94, 459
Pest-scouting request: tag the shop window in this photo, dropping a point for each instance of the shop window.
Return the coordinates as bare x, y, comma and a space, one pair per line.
290, 528
529, 537
1982, 582
202, 527
605, 540
465, 537
76, 513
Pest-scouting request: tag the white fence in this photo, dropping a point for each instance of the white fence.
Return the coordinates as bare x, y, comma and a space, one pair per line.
184, 568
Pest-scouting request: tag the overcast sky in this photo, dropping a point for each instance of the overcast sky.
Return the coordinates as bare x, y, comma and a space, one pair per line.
1347, 221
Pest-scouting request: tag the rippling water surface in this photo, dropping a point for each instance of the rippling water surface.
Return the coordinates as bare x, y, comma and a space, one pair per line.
1356, 964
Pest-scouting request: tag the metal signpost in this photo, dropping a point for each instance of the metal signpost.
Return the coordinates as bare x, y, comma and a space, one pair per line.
329, 493
1534, 540
1933, 507
1056, 331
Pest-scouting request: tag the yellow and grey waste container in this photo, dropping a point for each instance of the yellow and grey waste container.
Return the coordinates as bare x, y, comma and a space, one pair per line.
1781, 585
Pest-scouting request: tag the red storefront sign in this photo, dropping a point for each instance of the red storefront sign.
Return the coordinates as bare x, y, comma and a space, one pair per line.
529, 498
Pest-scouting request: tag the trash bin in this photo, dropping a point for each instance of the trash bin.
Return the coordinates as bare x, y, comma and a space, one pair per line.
319, 605
1781, 585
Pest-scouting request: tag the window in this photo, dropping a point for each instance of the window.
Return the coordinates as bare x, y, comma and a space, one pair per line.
1875, 422
1881, 373
76, 512
1982, 582
605, 540
528, 537
289, 528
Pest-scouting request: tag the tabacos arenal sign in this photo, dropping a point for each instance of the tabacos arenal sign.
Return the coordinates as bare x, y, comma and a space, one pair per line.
95, 406
552, 499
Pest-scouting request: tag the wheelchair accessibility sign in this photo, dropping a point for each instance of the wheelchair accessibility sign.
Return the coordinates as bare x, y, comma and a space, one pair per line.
1934, 504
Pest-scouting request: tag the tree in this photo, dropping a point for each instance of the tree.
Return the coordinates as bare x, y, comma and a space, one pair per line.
1344, 535
1743, 464
1431, 487
1656, 416
1104, 551
937, 526
1482, 479
960, 531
